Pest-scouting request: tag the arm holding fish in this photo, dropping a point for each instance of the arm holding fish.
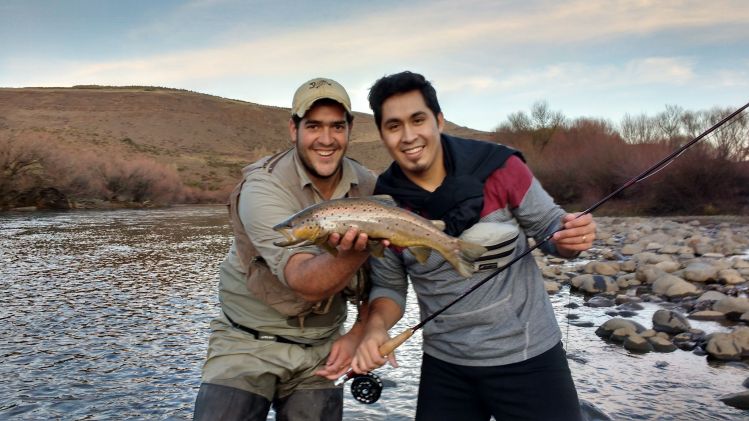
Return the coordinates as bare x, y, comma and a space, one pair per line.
313, 274
316, 277
386, 307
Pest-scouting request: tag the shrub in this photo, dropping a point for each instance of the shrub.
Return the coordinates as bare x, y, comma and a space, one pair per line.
586, 160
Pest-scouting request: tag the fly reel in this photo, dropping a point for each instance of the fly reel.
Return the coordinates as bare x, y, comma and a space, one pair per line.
366, 388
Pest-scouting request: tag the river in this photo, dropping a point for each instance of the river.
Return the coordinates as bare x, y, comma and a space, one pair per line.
104, 315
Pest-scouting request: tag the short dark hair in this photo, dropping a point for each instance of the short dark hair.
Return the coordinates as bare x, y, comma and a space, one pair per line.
400, 83
323, 101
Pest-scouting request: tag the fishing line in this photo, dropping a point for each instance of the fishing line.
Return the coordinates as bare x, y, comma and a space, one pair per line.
388, 347
567, 331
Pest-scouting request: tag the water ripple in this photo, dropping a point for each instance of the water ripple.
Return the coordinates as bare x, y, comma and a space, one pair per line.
105, 315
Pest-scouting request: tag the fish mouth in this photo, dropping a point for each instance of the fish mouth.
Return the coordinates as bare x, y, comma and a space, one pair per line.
285, 229
292, 242
284, 243
289, 238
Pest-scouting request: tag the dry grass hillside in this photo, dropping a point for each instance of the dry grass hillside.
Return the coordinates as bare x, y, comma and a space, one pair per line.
207, 139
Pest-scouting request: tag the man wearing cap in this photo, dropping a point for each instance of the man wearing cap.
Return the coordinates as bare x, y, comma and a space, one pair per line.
278, 338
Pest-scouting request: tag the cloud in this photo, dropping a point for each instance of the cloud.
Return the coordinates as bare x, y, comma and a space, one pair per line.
676, 71
443, 30
480, 54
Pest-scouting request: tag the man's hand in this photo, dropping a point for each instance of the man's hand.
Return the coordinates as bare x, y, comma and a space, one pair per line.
351, 241
340, 357
577, 235
368, 356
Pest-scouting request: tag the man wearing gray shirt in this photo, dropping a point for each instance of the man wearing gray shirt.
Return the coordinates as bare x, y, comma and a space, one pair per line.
497, 352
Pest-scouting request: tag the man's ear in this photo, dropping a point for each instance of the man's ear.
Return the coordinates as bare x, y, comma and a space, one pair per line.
292, 131
440, 121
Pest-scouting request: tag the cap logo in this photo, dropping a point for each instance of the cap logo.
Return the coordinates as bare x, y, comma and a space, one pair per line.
319, 84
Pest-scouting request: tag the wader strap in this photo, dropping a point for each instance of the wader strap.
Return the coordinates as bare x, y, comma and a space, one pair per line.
264, 336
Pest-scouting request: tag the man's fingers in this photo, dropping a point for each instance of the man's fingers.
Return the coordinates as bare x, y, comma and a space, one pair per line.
571, 220
334, 369
392, 361
351, 240
361, 242
334, 239
362, 363
330, 375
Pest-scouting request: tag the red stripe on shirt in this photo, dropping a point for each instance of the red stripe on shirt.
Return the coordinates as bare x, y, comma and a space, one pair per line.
506, 186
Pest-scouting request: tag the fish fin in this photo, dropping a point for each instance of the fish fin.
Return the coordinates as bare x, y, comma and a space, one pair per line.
376, 248
323, 243
420, 253
298, 243
383, 198
438, 223
469, 252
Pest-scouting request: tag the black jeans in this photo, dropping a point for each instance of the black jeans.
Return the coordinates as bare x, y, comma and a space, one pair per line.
540, 388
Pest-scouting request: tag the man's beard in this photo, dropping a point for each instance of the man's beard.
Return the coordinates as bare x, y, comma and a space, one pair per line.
312, 171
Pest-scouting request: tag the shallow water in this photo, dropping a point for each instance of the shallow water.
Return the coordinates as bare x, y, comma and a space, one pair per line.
105, 316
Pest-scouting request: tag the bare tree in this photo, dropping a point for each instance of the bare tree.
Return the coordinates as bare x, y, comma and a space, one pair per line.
544, 118
731, 141
638, 129
669, 122
693, 123
518, 122
542, 123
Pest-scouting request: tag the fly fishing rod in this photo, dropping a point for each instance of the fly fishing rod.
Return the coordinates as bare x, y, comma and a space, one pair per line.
388, 347
392, 344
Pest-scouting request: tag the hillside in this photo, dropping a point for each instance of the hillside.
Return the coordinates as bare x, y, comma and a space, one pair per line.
208, 139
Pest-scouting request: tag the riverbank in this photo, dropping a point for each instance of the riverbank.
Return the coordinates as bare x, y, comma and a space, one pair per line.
691, 272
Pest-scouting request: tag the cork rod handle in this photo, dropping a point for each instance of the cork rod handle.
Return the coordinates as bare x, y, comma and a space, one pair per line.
388, 347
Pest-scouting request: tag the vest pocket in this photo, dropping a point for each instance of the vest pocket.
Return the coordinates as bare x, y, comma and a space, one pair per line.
267, 288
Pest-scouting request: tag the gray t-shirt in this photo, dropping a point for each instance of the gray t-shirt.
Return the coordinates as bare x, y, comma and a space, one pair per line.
509, 318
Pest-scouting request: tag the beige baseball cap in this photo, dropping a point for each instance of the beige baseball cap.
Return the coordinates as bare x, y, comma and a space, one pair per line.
318, 88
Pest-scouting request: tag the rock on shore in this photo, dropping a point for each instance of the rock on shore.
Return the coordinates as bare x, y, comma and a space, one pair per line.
695, 270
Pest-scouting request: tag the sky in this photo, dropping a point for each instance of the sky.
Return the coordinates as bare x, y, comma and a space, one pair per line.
486, 58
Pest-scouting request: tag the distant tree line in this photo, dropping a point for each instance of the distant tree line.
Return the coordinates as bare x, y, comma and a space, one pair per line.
580, 161
34, 173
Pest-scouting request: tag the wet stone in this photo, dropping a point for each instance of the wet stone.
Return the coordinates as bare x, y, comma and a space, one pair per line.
600, 301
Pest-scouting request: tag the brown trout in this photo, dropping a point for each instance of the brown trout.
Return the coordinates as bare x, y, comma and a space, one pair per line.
380, 218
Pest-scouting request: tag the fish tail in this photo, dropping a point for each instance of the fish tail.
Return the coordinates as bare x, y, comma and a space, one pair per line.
468, 253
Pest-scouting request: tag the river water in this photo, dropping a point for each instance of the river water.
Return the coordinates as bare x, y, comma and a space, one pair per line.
104, 315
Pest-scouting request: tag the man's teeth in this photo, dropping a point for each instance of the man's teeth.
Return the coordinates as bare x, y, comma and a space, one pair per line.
325, 153
413, 150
